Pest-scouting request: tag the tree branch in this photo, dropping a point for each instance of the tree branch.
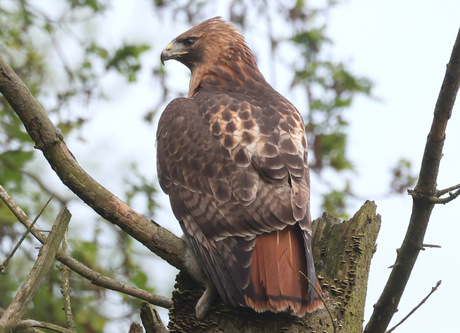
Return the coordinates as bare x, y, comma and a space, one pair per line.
135, 328
8, 258
416, 308
27, 326
30, 323
49, 140
433, 246
434, 199
44, 261
65, 288
447, 190
443, 201
93, 276
388, 302
151, 320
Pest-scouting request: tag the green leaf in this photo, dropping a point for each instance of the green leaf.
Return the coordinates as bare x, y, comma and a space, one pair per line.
95, 5
330, 150
334, 202
402, 177
311, 39
140, 279
126, 60
85, 252
11, 164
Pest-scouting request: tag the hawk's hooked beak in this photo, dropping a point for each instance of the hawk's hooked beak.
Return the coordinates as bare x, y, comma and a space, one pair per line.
172, 51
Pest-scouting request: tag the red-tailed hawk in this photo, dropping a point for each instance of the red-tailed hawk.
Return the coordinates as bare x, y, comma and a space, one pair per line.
233, 159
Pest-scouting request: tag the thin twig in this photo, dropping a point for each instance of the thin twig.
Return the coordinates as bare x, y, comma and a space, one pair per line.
8, 258
430, 246
30, 323
21, 216
451, 197
434, 199
65, 288
91, 275
319, 293
416, 308
447, 190
41, 267
27, 325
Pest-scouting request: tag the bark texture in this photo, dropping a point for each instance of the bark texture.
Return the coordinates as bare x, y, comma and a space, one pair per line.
342, 251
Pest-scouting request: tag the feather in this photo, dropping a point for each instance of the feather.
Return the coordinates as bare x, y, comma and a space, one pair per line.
278, 274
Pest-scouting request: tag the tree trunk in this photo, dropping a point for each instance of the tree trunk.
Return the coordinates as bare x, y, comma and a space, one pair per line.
342, 253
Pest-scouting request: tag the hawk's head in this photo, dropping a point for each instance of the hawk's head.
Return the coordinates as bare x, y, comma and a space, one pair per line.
203, 43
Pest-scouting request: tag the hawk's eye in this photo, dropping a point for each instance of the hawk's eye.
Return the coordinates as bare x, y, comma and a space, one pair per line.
189, 41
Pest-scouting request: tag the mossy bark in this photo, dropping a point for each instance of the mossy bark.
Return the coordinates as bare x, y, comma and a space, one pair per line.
342, 251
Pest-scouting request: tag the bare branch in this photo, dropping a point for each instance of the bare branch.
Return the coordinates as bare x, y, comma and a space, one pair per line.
435, 199
451, 197
388, 302
28, 326
44, 261
135, 328
416, 308
30, 323
21, 216
65, 288
8, 258
151, 320
93, 276
113, 284
50, 141
430, 246
447, 190
320, 294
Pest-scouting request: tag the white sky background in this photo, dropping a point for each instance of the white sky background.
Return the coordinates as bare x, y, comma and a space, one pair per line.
403, 46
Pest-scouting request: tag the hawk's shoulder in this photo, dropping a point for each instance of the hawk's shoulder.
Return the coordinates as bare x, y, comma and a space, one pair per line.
188, 155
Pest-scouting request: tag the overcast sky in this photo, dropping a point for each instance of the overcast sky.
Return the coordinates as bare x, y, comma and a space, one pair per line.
403, 46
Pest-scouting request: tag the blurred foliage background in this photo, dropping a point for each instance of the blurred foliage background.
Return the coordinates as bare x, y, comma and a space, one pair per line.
35, 39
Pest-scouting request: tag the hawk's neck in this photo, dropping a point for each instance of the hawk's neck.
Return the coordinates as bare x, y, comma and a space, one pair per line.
233, 71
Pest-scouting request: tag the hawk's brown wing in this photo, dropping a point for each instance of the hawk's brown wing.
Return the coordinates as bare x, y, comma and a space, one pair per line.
234, 170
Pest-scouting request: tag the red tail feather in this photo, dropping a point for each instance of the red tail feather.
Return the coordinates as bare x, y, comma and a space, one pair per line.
279, 286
